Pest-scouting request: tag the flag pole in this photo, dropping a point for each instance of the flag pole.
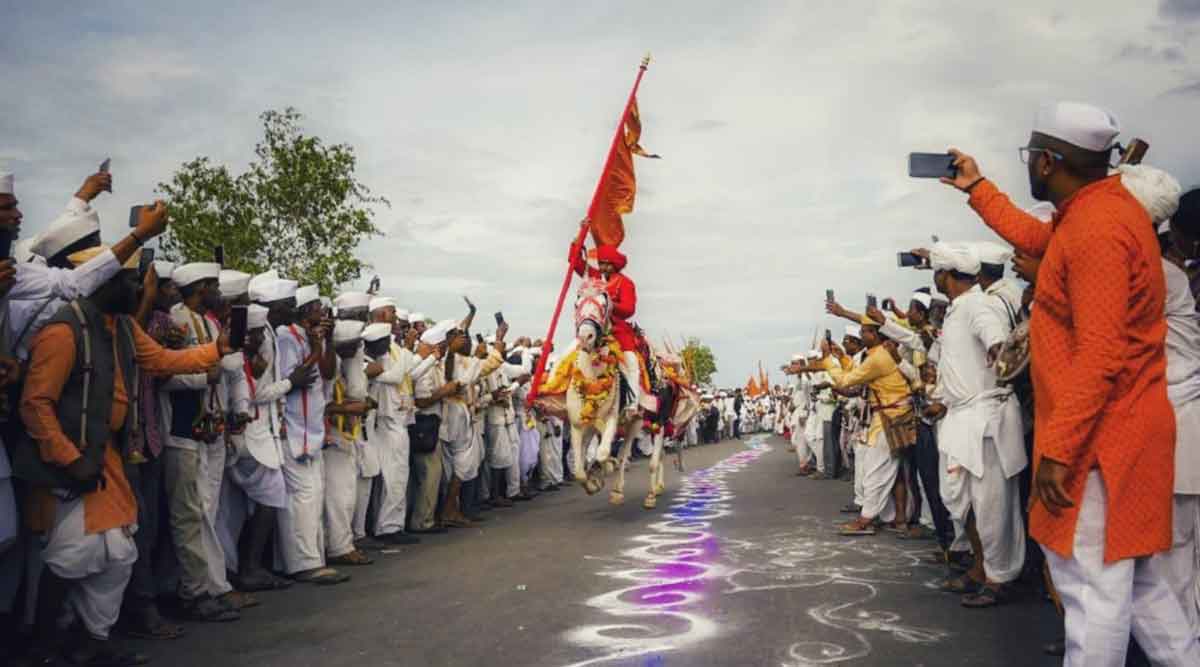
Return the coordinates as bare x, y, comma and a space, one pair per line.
619, 135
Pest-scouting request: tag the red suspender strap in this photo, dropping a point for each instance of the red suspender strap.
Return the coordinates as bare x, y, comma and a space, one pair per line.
303, 392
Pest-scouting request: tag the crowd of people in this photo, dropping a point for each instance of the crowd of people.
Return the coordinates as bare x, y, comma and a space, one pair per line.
1051, 426
1047, 430
156, 470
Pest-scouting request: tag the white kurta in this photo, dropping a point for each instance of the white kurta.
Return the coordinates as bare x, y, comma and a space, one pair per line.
301, 529
1182, 562
388, 431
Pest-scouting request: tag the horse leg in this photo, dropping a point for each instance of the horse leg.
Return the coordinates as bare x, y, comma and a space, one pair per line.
577, 445
607, 435
651, 500
617, 495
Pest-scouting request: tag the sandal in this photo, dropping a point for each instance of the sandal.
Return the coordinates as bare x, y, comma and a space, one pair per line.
208, 609
856, 528
963, 585
321, 576
355, 557
261, 581
149, 625
989, 595
239, 600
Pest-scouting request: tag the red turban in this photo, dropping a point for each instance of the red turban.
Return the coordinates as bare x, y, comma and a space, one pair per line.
610, 254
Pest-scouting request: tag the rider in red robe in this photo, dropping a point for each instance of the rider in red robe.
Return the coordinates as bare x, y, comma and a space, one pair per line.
622, 296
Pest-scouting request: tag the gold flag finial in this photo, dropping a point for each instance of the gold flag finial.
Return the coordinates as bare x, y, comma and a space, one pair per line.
646, 60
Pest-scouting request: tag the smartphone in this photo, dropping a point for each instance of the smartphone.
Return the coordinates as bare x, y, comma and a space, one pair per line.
828, 336
134, 213
6, 240
237, 326
907, 259
828, 296
499, 318
931, 165
146, 260
219, 255
888, 304
104, 165
871, 301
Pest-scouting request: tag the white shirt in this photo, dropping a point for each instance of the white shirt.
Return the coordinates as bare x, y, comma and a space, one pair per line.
1183, 377
184, 317
39, 287
304, 409
1008, 293
975, 407
261, 435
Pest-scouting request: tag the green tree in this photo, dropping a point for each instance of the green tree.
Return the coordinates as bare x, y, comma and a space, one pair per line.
700, 361
298, 208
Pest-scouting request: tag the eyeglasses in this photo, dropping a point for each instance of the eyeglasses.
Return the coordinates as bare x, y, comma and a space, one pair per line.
1026, 151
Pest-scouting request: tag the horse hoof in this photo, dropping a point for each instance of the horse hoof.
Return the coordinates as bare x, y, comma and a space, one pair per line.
650, 502
591, 486
581, 478
610, 467
659, 488
615, 498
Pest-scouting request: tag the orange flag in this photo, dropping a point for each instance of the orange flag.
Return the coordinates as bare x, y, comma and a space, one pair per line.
763, 381
619, 184
751, 387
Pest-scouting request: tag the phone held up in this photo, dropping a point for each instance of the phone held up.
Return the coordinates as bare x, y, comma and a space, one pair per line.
872, 302
134, 213
906, 260
237, 326
829, 296
931, 165
147, 259
499, 319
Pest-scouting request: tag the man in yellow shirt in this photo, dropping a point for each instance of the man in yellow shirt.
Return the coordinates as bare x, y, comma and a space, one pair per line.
887, 391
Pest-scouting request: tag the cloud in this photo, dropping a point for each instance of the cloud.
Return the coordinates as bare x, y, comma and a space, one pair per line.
1186, 90
1147, 52
785, 128
1180, 10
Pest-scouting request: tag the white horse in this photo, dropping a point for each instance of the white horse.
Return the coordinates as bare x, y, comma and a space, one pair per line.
593, 397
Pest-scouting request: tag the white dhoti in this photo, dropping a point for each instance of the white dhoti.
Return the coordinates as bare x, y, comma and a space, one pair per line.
247, 485
996, 502
301, 536
879, 478
460, 457
99, 566
551, 457
341, 494
530, 441
390, 439
860, 457
1182, 561
1105, 603
800, 442
502, 450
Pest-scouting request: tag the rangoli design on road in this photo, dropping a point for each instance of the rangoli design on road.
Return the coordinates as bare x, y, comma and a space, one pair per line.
679, 563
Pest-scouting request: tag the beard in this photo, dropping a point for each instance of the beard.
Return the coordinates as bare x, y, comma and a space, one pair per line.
1038, 186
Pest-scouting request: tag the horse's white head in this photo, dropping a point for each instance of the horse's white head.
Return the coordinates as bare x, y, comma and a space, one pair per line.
591, 314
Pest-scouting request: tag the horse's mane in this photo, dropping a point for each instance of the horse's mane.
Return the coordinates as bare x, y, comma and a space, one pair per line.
591, 287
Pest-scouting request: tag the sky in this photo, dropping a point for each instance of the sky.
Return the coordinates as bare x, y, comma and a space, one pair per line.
784, 129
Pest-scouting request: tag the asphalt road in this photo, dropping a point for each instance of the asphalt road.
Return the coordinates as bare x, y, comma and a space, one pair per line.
739, 565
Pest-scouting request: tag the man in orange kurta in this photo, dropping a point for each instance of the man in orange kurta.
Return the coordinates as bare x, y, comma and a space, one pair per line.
1104, 428
89, 551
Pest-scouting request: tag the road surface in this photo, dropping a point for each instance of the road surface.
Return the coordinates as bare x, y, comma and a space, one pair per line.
739, 565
